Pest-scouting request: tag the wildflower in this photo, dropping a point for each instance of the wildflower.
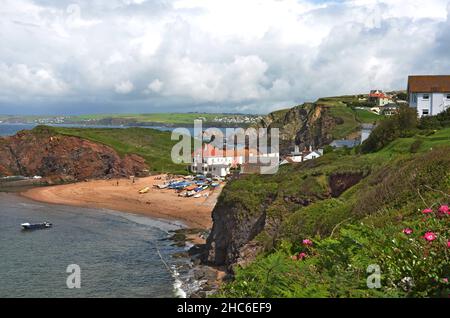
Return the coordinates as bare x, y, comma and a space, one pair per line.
427, 211
445, 280
307, 242
301, 256
430, 236
448, 244
408, 231
444, 209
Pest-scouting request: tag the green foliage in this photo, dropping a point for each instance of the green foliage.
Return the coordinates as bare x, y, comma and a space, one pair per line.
403, 124
441, 120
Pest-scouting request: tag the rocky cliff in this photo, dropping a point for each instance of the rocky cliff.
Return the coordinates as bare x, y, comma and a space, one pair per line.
311, 124
42, 152
242, 230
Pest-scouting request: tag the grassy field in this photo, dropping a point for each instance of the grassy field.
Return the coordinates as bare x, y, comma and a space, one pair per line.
153, 145
163, 118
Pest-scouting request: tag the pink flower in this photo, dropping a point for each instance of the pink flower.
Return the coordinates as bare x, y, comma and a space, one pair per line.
448, 244
301, 256
307, 242
445, 280
444, 209
427, 211
430, 236
408, 231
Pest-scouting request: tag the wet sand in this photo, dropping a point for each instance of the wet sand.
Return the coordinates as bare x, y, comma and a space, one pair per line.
125, 197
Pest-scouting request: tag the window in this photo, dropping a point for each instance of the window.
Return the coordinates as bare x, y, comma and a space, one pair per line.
425, 112
426, 96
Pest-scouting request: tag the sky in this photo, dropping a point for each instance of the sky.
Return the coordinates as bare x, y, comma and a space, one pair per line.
247, 56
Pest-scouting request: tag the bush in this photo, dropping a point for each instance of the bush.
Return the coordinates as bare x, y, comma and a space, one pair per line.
415, 146
403, 124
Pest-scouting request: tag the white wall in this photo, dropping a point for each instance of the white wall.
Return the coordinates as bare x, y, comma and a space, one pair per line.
437, 103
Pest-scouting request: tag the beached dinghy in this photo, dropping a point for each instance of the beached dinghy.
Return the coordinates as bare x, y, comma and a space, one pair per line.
144, 191
36, 226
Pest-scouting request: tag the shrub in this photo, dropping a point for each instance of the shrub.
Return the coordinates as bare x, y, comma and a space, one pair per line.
403, 124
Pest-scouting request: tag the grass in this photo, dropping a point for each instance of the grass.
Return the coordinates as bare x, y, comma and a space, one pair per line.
153, 145
354, 229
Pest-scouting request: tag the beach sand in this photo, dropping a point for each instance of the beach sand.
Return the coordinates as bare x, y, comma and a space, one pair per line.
125, 197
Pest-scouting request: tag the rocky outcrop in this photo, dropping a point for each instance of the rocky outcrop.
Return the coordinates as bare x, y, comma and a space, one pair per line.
310, 124
232, 229
42, 152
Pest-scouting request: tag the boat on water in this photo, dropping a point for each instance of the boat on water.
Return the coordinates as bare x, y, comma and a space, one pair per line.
36, 226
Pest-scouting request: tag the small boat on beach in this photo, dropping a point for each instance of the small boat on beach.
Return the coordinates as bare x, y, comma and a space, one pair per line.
36, 226
144, 191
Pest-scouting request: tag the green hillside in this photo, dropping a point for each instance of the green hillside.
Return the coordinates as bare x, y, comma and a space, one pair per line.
355, 208
153, 145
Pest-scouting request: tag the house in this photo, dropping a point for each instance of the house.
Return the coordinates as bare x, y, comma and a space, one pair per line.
300, 156
379, 98
210, 160
389, 109
429, 94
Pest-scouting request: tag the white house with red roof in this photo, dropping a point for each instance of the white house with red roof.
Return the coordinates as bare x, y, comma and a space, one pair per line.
379, 98
218, 162
429, 94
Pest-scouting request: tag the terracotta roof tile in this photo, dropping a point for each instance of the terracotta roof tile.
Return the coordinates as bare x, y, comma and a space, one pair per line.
429, 84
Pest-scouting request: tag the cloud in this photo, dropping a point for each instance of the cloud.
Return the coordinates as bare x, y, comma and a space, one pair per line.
124, 87
156, 86
212, 55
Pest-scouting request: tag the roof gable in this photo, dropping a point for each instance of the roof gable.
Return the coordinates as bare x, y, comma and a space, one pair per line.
429, 84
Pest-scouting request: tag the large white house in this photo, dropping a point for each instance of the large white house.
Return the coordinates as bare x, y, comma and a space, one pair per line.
218, 162
429, 94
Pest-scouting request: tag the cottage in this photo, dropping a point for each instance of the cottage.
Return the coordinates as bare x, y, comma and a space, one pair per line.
429, 94
379, 98
301, 156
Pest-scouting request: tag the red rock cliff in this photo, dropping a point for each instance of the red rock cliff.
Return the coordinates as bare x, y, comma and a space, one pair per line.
44, 153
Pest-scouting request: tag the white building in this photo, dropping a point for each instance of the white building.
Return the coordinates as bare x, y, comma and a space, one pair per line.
429, 94
301, 156
218, 162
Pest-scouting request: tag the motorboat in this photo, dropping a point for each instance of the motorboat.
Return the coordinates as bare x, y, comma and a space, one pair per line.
36, 226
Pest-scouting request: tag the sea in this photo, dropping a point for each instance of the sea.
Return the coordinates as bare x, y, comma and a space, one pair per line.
116, 254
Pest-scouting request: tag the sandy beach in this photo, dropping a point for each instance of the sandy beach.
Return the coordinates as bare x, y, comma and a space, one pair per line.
125, 197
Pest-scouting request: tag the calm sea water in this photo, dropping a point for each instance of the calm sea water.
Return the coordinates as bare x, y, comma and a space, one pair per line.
117, 253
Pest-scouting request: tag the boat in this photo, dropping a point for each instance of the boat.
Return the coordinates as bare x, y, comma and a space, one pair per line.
36, 226
145, 190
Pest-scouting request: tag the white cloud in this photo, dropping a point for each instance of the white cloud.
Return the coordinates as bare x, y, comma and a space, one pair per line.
124, 87
156, 86
252, 55
20, 80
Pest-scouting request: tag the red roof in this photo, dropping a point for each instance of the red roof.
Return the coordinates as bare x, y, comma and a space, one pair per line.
378, 95
207, 150
429, 84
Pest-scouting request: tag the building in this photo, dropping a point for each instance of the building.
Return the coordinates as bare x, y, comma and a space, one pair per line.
379, 98
210, 160
429, 94
300, 156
